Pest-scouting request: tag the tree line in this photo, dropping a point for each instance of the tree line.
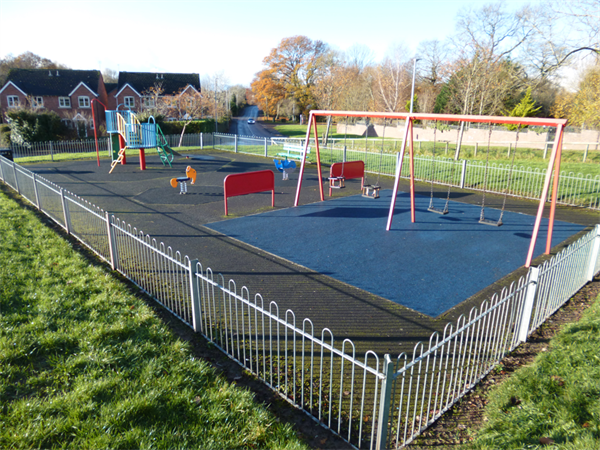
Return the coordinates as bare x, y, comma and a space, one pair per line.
496, 63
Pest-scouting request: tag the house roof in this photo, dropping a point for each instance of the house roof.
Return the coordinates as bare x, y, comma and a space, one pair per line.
53, 82
171, 83
110, 87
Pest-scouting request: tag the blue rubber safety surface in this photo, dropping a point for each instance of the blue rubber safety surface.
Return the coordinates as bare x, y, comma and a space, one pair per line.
429, 266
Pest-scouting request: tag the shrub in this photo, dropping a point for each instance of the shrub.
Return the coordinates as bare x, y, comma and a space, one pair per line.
28, 126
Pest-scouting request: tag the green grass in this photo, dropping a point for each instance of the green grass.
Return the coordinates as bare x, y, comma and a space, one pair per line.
84, 363
557, 397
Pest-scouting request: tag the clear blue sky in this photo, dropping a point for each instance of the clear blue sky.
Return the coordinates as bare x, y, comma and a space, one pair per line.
212, 36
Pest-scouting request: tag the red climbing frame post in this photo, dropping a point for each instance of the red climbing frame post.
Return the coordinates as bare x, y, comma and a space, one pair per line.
249, 183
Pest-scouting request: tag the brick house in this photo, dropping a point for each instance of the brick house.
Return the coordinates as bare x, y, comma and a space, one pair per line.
133, 90
69, 93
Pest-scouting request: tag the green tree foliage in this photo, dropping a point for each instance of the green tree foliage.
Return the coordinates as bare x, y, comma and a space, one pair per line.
28, 126
27, 60
525, 108
581, 108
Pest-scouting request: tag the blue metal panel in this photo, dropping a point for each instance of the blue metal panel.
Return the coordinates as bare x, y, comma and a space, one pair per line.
149, 135
111, 122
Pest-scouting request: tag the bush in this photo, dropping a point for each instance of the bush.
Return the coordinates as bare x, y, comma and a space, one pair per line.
4, 135
28, 126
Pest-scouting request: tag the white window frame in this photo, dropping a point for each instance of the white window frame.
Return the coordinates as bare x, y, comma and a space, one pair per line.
37, 102
13, 101
64, 102
83, 101
149, 102
129, 101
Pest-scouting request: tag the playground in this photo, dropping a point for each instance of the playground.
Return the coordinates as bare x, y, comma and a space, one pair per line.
332, 260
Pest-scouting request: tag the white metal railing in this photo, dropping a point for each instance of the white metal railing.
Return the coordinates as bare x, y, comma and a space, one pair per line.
369, 400
574, 189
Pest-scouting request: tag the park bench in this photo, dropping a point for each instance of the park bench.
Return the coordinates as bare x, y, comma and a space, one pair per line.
293, 151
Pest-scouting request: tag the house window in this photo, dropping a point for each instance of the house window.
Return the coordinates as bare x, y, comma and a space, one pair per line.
149, 102
64, 102
13, 101
37, 102
129, 102
84, 101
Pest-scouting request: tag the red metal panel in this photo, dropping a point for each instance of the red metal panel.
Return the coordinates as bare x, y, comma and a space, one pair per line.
249, 183
348, 169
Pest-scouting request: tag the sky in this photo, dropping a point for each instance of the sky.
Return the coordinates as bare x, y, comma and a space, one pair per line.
209, 37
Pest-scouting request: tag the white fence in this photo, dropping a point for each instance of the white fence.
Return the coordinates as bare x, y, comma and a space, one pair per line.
369, 400
574, 189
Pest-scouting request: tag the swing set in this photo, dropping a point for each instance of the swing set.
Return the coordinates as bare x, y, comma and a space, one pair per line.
341, 171
407, 141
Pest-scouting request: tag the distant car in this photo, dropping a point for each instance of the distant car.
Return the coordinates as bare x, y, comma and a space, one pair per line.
251, 121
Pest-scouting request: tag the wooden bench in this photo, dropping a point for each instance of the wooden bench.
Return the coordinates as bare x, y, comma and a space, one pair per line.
341, 171
249, 183
293, 152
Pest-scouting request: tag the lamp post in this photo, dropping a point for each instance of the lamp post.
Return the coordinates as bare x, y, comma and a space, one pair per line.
412, 91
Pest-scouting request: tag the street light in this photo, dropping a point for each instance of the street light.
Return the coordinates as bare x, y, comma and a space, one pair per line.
412, 91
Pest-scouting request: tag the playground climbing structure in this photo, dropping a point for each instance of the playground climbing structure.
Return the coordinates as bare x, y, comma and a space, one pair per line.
131, 134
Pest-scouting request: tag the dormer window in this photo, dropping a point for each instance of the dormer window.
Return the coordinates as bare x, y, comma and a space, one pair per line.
84, 101
13, 101
64, 102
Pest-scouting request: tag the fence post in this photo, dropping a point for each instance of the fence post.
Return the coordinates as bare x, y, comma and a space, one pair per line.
397, 164
51, 151
534, 273
545, 150
587, 148
385, 401
594, 255
35, 190
195, 292
16, 179
112, 243
235, 142
344, 159
65, 211
463, 174
201, 141
476, 147
266, 150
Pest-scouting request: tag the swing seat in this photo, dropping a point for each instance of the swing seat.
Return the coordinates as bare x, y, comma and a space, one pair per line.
370, 190
433, 209
492, 223
337, 182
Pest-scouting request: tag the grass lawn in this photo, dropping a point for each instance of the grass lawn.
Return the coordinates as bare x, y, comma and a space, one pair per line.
85, 363
557, 397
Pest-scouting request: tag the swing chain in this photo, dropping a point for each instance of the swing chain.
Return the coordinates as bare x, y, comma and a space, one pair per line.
508, 182
485, 176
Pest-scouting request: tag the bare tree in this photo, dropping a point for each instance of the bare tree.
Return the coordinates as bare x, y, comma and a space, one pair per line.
392, 80
559, 31
359, 57
483, 72
433, 71
110, 76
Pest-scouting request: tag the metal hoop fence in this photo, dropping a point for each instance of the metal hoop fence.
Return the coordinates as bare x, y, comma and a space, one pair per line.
371, 401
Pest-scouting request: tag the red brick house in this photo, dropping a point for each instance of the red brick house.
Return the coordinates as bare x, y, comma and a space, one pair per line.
69, 93
133, 90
